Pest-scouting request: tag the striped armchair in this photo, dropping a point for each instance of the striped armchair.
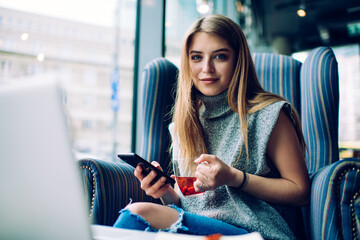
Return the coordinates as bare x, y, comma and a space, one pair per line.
312, 87
334, 210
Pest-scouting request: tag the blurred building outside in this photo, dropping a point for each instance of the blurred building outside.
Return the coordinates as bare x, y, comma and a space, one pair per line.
81, 57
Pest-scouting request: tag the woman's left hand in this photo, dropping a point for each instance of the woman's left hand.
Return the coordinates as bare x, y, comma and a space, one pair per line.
211, 173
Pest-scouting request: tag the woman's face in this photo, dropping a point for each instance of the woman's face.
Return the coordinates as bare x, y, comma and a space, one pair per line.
212, 63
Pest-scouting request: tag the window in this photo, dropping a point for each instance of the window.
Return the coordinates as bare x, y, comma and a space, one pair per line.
175, 29
348, 58
80, 46
89, 77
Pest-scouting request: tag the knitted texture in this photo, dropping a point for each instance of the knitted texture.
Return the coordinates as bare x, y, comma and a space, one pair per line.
222, 136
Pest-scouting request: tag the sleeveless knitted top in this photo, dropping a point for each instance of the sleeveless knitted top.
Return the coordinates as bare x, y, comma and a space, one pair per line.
221, 126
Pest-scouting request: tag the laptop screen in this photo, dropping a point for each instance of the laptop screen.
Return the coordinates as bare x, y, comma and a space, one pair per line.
41, 193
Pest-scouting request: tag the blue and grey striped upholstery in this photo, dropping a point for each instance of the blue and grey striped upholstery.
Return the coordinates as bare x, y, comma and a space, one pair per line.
158, 93
320, 107
109, 187
335, 201
279, 74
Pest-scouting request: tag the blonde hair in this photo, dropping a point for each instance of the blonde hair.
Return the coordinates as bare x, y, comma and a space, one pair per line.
245, 94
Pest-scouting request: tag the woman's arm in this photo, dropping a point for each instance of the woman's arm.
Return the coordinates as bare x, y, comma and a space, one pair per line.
284, 151
171, 197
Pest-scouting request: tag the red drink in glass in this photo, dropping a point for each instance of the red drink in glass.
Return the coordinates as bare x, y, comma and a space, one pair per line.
186, 185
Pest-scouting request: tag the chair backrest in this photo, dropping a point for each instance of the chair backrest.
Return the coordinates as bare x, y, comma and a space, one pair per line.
320, 107
279, 74
158, 92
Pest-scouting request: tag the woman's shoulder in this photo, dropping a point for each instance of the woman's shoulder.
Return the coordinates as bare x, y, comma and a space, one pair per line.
269, 114
281, 106
275, 107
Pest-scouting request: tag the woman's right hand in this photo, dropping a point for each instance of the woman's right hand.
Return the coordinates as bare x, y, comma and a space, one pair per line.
155, 190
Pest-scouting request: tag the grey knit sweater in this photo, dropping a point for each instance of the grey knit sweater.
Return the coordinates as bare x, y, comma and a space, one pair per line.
221, 128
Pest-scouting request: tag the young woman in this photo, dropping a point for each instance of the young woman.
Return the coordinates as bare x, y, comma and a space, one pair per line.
250, 141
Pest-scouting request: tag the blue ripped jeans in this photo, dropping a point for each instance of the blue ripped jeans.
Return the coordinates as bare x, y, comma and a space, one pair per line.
187, 223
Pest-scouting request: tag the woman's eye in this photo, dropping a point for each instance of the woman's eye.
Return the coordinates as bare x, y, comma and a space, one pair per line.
221, 56
195, 57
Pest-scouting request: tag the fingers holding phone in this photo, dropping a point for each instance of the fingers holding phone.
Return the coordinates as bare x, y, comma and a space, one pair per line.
134, 160
153, 184
157, 165
142, 171
153, 180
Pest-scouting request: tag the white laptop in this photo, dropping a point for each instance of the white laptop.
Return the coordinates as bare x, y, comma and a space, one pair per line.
41, 196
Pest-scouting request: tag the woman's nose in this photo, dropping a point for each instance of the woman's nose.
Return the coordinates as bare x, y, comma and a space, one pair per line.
208, 66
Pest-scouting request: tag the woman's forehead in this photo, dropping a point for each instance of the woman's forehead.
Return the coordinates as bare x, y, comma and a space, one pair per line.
207, 41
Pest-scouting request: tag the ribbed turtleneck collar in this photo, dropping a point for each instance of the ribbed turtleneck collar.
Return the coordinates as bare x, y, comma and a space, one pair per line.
214, 106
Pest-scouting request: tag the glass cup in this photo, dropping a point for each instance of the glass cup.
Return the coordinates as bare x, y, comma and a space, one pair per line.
185, 182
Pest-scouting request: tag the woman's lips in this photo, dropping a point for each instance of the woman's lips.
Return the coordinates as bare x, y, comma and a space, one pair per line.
208, 80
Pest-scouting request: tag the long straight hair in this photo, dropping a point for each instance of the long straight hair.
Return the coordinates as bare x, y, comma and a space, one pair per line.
245, 94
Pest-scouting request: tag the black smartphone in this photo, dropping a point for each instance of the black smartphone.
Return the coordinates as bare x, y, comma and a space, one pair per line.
134, 160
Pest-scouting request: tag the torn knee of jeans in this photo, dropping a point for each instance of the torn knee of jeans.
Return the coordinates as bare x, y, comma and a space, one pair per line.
130, 202
176, 226
140, 219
